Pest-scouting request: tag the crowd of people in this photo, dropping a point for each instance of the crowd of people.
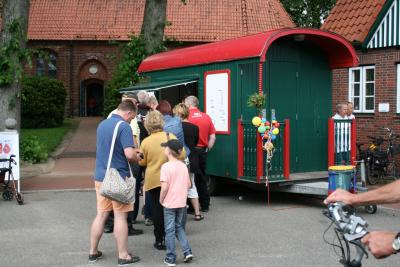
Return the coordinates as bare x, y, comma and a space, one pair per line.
165, 149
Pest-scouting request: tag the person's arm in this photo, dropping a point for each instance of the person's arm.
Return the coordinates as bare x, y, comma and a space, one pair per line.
379, 243
132, 154
389, 193
211, 141
164, 183
164, 191
143, 149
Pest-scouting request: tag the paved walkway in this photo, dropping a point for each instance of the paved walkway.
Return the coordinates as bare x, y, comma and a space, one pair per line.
74, 166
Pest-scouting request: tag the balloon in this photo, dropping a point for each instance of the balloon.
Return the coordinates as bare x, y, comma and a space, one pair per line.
256, 121
266, 136
261, 129
267, 127
264, 120
277, 125
273, 137
274, 121
275, 131
267, 123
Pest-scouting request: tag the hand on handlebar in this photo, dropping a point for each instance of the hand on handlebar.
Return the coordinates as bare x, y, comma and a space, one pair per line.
379, 243
340, 195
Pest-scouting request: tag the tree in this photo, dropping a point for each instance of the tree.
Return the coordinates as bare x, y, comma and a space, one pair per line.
308, 13
154, 21
13, 53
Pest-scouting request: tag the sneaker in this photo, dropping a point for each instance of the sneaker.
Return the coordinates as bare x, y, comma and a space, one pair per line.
159, 246
95, 257
169, 262
125, 262
188, 258
148, 222
132, 231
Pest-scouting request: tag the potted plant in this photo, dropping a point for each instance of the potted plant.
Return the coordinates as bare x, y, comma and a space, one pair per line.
257, 101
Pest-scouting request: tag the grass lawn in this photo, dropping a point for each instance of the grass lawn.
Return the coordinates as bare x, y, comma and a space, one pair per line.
50, 137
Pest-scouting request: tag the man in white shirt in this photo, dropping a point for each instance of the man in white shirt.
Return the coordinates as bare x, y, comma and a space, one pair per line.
350, 109
341, 112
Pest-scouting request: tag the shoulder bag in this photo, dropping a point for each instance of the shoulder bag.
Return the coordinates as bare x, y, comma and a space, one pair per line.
114, 186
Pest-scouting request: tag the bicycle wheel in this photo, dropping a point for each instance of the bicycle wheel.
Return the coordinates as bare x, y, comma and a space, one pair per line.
391, 170
373, 176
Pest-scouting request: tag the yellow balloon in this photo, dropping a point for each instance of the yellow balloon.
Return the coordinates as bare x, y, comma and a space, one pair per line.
256, 121
275, 131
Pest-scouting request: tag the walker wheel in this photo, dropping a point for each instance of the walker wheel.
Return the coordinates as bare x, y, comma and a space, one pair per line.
19, 198
371, 209
8, 195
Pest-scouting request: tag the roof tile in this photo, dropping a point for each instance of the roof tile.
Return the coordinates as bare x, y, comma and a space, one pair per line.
198, 20
353, 19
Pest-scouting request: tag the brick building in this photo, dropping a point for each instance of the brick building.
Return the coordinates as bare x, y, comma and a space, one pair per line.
76, 35
372, 26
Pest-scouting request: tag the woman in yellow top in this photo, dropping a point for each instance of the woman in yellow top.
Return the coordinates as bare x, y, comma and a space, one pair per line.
153, 159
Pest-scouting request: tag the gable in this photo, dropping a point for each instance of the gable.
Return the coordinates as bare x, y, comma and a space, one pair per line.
385, 31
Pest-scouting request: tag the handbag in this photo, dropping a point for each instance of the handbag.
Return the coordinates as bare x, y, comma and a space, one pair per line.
114, 186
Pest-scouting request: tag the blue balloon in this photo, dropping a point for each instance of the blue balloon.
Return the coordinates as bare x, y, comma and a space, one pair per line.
273, 137
263, 120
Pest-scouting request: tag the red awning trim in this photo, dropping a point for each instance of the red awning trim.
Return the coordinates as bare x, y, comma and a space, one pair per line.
340, 53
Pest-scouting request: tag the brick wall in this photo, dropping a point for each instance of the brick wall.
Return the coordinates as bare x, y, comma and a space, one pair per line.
73, 61
385, 61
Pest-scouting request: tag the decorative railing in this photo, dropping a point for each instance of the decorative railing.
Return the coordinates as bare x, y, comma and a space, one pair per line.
341, 142
252, 160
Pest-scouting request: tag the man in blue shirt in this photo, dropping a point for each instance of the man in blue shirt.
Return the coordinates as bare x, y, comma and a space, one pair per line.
122, 153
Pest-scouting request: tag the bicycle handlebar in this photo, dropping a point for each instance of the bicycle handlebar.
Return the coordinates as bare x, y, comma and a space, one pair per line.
351, 227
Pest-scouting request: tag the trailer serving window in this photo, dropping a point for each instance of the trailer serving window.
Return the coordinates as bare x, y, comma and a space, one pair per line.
174, 91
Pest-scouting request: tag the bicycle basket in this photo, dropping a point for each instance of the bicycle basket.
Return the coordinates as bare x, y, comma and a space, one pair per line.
395, 149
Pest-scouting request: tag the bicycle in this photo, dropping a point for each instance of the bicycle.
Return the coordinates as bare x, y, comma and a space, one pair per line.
383, 163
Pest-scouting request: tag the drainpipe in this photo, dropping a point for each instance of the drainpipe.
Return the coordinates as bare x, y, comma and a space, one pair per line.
71, 69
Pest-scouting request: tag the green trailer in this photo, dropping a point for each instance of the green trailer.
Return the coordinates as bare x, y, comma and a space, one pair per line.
292, 67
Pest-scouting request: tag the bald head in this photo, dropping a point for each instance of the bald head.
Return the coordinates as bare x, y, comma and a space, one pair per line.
192, 102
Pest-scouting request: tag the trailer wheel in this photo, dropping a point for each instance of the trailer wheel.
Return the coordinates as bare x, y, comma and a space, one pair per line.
19, 198
371, 209
213, 185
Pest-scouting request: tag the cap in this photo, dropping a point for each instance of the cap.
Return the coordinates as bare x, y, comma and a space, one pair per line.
173, 144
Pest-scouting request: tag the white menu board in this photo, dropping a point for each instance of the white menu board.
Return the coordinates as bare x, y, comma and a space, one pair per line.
217, 104
9, 145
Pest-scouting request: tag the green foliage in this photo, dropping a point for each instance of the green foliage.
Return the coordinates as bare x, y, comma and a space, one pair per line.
308, 13
132, 54
256, 101
42, 102
12, 53
49, 138
32, 150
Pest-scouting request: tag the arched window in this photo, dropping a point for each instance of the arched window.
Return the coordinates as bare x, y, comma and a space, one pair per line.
47, 64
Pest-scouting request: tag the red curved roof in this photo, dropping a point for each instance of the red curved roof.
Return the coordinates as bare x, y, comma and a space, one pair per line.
340, 53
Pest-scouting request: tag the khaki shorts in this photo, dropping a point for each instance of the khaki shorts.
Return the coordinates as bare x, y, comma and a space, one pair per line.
106, 204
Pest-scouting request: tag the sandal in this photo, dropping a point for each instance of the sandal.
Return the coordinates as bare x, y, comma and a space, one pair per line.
198, 217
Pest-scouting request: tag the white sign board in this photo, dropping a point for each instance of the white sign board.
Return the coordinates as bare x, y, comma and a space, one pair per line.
9, 145
383, 107
217, 102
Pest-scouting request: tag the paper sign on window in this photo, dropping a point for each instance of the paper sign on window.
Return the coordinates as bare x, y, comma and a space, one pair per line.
217, 99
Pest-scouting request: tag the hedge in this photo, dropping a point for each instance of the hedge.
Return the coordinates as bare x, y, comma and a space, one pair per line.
42, 102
